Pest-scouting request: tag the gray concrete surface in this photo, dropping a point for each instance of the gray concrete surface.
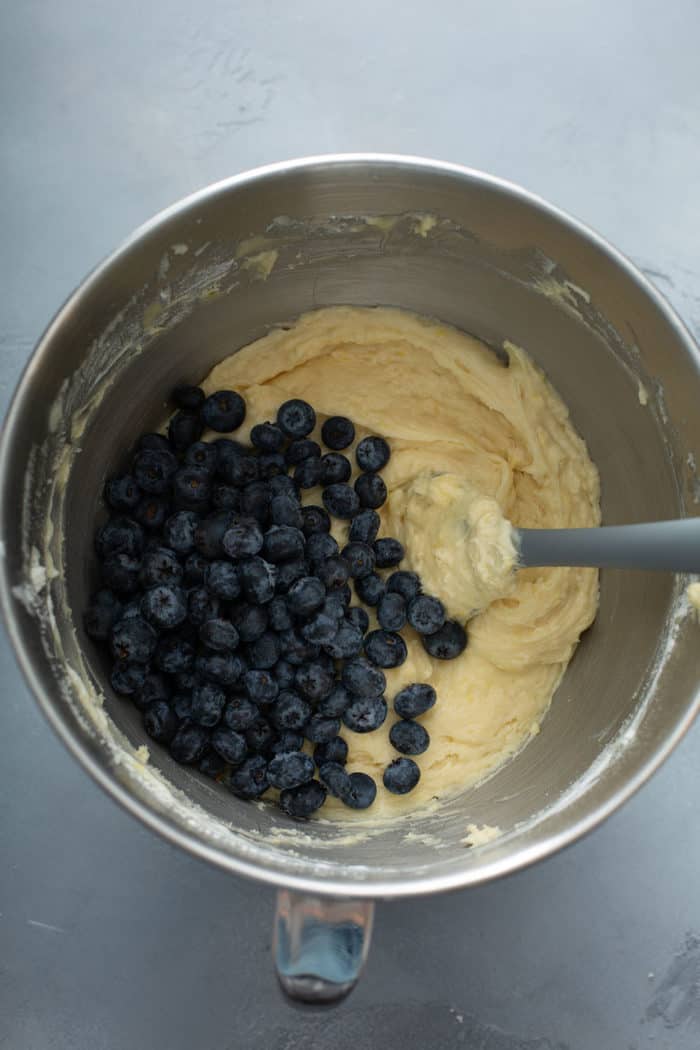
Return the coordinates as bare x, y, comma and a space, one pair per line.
111, 939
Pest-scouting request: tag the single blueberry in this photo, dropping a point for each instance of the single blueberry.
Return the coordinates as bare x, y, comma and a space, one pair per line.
370, 589
385, 648
179, 531
284, 673
335, 469
319, 729
119, 536
341, 501
219, 635
191, 487
314, 681
191, 398
201, 606
229, 744
364, 527
279, 617
260, 735
289, 572
221, 668
156, 442
283, 543
407, 584
160, 566
127, 678
102, 613
335, 750
401, 776
305, 596
371, 490
409, 737
320, 546
391, 612
250, 779
243, 538
265, 651
202, 454
267, 437
290, 711
185, 681
153, 687
282, 485
153, 470
297, 650
346, 643
261, 686
222, 579
223, 411
308, 473
226, 451
301, 449
133, 640
225, 497
321, 629
362, 679
121, 573
365, 714
123, 494
208, 701
184, 429
152, 512
304, 800
333, 572
239, 469
296, 418
425, 614
249, 620
414, 700
372, 453
210, 532
360, 559
337, 432
271, 465
240, 713
448, 642
286, 510
211, 764
258, 580
287, 741
289, 769
174, 655
334, 604
315, 519
363, 791
358, 617
160, 721
388, 552
255, 502
189, 743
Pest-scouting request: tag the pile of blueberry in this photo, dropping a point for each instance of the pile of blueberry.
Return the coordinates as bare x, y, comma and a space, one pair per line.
227, 605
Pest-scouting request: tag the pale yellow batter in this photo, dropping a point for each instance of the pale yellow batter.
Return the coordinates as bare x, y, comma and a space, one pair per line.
470, 440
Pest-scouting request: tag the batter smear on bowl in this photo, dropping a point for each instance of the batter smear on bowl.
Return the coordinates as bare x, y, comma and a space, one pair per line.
321, 606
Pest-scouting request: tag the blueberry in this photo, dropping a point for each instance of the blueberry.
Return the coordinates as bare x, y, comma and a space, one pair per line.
334, 604
267, 437
364, 527
290, 769
219, 635
315, 519
160, 721
223, 411
283, 543
335, 750
301, 449
243, 538
156, 442
296, 418
281, 485
240, 713
305, 596
160, 566
229, 744
222, 579
362, 679
121, 572
320, 546
255, 501
337, 432
221, 668
271, 465
372, 453
208, 700
153, 687
179, 531
181, 704
153, 470
388, 552
174, 655
127, 678
189, 743
123, 493
321, 629
258, 580
314, 681
278, 614
407, 584
290, 711
370, 589
265, 651
130, 609
202, 454
335, 778
152, 512
346, 643
360, 559
319, 730
185, 681
261, 686
209, 534
409, 737
101, 614
239, 469
195, 569
289, 572
286, 510
287, 741
371, 490
284, 673
211, 764
249, 620
335, 468
304, 800
308, 473
341, 501
425, 614
391, 612
414, 700
250, 779
133, 640
365, 714
191, 487
191, 398
119, 536
385, 648
184, 429
401, 776
260, 735
201, 606
448, 642
297, 650
226, 451
358, 617
225, 497
333, 572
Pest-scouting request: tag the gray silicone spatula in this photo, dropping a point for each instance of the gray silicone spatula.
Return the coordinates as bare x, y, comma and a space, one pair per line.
670, 546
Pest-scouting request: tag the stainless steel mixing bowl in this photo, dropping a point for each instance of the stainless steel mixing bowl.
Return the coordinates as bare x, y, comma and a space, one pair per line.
216, 271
